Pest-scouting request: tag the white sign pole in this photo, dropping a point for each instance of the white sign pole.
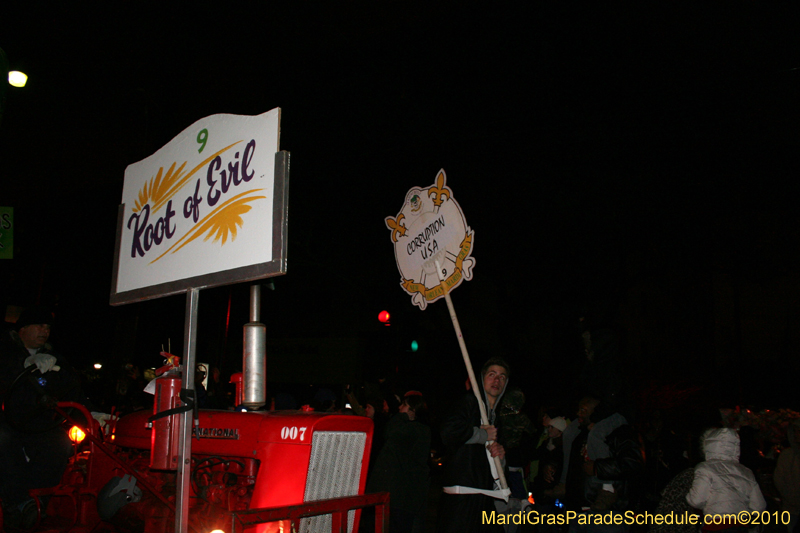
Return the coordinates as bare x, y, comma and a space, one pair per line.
470, 372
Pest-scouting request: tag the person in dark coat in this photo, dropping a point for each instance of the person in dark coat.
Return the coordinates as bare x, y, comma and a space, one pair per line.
610, 484
550, 455
466, 463
613, 481
574, 444
519, 440
34, 449
401, 468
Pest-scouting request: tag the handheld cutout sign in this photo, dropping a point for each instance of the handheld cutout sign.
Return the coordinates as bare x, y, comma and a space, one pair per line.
432, 246
430, 229
207, 209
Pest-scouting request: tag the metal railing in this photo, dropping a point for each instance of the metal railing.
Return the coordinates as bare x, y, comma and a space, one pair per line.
336, 507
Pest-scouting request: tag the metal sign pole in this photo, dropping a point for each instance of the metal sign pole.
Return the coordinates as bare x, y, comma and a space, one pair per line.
186, 418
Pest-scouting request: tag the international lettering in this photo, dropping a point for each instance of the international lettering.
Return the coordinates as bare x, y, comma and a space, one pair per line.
216, 433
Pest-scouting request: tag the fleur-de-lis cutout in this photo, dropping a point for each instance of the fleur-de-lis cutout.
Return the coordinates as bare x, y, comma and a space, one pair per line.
396, 226
440, 191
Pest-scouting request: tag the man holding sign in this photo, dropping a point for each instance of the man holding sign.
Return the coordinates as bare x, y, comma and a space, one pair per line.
469, 479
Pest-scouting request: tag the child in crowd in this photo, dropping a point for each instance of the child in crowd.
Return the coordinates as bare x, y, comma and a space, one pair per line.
721, 485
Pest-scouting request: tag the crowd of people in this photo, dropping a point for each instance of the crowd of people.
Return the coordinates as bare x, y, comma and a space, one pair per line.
591, 454
600, 458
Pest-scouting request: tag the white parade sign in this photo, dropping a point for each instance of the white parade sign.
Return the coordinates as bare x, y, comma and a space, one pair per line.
201, 211
430, 229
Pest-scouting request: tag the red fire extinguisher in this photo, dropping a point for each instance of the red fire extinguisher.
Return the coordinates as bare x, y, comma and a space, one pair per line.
170, 402
164, 439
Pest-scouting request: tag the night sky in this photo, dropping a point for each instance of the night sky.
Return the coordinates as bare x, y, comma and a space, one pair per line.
636, 164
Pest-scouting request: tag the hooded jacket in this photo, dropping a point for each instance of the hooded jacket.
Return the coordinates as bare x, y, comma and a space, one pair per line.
466, 462
722, 485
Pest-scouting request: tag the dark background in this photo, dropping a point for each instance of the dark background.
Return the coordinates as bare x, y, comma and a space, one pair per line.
633, 163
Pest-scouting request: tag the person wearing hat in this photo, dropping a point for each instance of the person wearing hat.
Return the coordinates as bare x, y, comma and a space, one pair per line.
32, 333
33, 451
559, 423
550, 455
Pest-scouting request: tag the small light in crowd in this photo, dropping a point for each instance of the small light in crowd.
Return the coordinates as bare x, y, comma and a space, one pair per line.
17, 78
98, 366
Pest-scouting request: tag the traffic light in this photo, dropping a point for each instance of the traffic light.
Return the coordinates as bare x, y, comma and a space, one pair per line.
414, 346
384, 317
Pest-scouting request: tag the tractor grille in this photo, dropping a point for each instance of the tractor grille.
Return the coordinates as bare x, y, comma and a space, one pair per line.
334, 471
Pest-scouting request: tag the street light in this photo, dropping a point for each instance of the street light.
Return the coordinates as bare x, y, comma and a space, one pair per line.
17, 78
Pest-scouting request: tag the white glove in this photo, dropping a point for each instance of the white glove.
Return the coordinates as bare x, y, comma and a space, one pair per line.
43, 361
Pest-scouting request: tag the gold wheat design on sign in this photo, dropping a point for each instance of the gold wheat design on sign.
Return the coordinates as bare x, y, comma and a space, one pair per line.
220, 223
162, 187
158, 186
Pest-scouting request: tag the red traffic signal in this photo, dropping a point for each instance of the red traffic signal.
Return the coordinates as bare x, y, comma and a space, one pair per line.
384, 316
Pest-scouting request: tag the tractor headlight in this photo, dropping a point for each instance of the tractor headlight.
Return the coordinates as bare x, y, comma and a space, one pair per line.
76, 434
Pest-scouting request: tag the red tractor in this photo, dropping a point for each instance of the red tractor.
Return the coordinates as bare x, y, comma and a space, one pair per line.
258, 471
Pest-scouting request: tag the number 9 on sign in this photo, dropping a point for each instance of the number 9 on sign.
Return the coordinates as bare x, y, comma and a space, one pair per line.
202, 138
